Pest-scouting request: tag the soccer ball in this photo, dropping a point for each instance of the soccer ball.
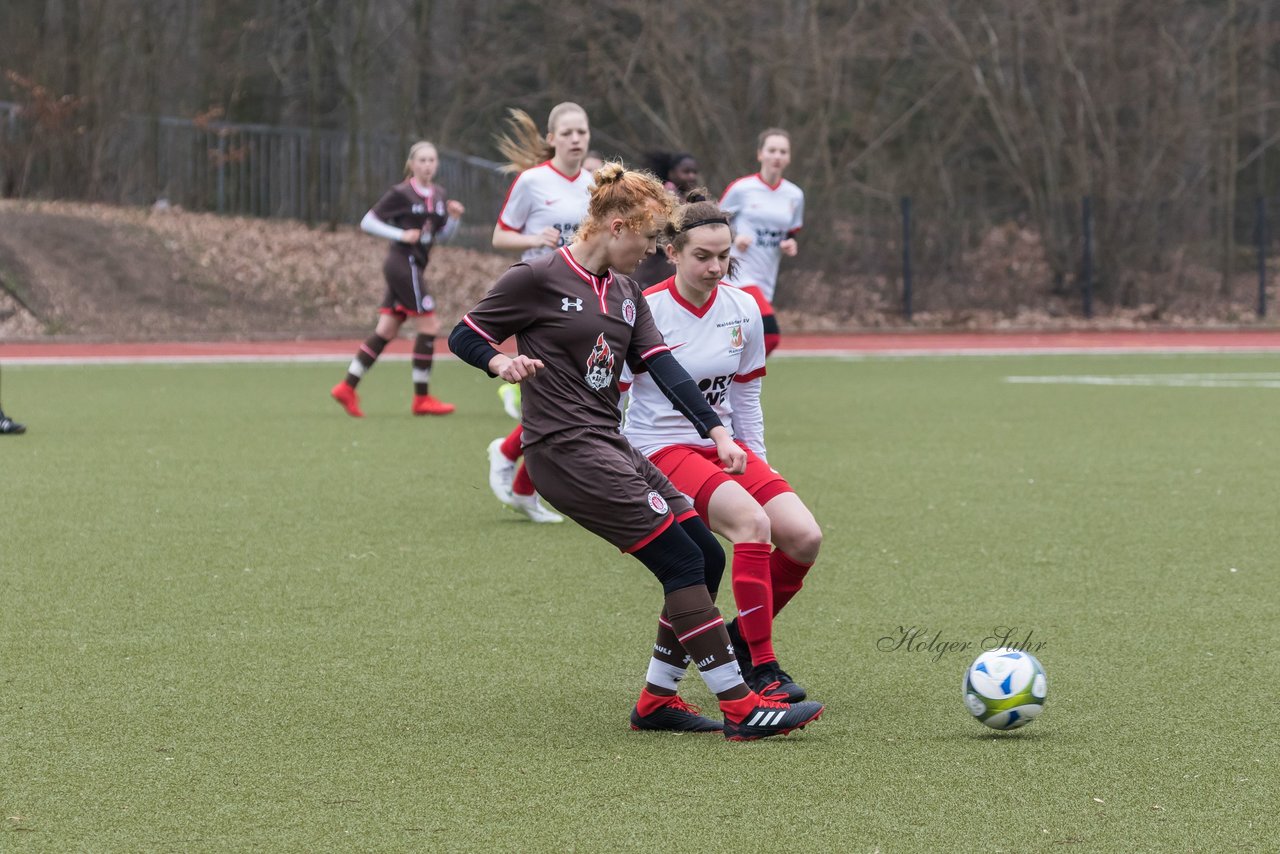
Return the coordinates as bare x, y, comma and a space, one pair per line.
1005, 688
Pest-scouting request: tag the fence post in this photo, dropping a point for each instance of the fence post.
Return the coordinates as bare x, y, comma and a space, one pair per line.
906, 257
1086, 261
1260, 231
222, 173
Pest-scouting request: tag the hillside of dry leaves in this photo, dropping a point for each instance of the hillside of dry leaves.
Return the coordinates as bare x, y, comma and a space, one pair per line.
101, 272
96, 272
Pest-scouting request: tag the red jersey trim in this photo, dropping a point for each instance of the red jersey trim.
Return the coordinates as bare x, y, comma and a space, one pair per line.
466, 318
428, 196
734, 182
653, 535
660, 287
767, 184
746, 378
572, 180
503, 209
506, 227
653, 351
696, 311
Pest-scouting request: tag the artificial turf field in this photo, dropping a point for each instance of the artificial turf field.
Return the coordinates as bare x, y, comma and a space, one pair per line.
235, 619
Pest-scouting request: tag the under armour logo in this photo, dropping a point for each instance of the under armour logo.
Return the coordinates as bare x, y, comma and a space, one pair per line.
575, 304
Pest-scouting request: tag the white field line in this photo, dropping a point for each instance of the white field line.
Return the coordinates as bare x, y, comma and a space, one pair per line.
1207, 380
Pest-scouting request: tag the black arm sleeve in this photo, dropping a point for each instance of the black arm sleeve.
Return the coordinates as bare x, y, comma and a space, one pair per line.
470, 347
674, 381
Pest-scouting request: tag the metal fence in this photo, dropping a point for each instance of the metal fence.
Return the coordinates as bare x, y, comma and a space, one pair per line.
253, 170
863, 257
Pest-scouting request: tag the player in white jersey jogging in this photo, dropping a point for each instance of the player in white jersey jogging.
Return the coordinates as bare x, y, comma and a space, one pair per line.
767, 212
715, 332
543, 209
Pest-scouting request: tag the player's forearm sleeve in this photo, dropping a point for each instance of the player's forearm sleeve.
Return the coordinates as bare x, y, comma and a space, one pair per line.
470, 347
674, 382
450, 229
372, 225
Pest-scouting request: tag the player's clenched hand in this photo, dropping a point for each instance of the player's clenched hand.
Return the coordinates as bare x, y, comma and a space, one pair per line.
789, 247
548, 237
455, 209
730, 453
515, 370
411, 235
742, 241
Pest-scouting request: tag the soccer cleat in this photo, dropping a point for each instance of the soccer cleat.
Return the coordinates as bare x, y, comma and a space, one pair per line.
740, 648
346, 395
425, 404
510, 394
770, 680
675, 716
502, 472
769, 717
532, 506
10, 427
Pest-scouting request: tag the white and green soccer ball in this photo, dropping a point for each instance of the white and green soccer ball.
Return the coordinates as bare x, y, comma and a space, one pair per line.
1005, 688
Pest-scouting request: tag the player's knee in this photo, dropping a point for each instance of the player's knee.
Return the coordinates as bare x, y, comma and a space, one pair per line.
802, 543
674, 559
749, 526
713, 559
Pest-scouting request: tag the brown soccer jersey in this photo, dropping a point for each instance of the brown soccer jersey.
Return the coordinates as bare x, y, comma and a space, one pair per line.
405, 207
582, 326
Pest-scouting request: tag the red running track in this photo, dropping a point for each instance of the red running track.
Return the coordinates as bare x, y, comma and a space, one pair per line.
855, 344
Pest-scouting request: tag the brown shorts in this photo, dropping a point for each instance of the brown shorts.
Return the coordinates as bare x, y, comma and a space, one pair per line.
406, 287
597, 479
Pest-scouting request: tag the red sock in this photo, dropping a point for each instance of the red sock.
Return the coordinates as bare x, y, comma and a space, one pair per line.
752, 592
736, 710
650, 702
522, 484
771, 341
787, 575
511, 445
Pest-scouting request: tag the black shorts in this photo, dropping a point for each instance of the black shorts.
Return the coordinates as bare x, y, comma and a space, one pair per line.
406, 287
597, 479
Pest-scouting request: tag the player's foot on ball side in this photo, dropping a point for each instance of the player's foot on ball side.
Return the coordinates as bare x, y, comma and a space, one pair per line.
765, 718
502, 472
510, 394
740, 648
532, 506
674, 716
770, 680
425, 404
347, 397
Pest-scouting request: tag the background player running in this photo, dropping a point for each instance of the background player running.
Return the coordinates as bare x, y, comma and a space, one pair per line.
767, 212
715, 332
414, 215
576, 322
542, 211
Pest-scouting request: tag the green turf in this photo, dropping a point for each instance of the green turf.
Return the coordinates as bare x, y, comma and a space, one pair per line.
235, 619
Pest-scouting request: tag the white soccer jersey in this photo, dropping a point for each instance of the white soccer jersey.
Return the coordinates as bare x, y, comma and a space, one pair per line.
770, 215
721, 345
544, 196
